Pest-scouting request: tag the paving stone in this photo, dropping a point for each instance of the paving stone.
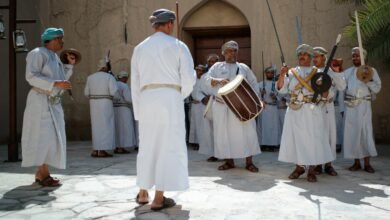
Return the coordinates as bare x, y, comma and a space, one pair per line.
106, 189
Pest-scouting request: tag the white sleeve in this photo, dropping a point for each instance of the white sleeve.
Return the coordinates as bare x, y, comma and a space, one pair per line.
68, 70
376, 84
135, 83
284, 89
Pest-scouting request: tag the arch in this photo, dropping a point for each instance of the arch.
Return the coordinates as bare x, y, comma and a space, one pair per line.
215, 13
209, 24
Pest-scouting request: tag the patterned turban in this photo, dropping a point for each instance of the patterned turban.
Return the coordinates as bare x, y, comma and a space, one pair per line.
320, 50
304, 48
51, 33
230, 44
122, 74
161, 16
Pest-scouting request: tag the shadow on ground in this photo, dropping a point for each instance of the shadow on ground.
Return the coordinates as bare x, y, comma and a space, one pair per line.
176, 212
22, 197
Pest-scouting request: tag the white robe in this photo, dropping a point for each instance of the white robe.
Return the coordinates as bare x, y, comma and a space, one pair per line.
204, 126
162, 159
124, 121
339, 111
43, 134
193, 136
338, 83
282, 108
268, 124
101, 88
358, 133
233, 138
303, 140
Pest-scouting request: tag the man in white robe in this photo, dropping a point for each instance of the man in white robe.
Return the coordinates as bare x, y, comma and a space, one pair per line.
162, 76
232, 138
338, 83
124, 121
101, 88
358, 134
303, 140
282, 108
196, 112
269, 118
43, 134
203, 94
339, 107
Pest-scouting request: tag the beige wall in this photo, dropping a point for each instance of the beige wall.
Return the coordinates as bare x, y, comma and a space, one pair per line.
94, 27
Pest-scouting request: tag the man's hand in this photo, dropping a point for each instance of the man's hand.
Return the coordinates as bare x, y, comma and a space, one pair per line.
284, 71
219, 82
263, 92
205, 100
64, 84
71, 58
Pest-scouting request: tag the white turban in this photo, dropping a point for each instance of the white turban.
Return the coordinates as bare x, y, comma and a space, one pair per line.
122, 74
320, 50
230, 44
356, 50
304, 48
102, 63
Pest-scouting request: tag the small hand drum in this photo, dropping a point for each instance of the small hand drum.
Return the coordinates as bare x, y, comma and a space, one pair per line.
364, 73
73, 51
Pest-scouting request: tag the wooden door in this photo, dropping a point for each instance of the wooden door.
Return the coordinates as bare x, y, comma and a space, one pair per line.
212, 43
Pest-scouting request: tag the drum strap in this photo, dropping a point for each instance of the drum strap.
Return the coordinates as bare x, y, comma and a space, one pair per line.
238, 70
304, 82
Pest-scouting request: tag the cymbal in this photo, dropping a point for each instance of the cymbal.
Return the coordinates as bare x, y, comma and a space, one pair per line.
72, 51
364, 73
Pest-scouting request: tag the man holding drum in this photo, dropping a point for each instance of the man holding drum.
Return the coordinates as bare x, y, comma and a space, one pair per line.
232, 138
358, 134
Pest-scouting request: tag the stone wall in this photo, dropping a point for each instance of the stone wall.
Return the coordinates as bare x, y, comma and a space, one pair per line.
95, 27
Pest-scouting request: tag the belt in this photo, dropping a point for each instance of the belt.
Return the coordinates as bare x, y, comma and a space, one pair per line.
122, 105
353, 98
100, 97
157, 86
41, 91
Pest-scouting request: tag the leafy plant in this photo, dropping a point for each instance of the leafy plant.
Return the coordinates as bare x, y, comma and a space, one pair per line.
374, 20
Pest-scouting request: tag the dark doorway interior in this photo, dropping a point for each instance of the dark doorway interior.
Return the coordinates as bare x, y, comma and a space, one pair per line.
210, 40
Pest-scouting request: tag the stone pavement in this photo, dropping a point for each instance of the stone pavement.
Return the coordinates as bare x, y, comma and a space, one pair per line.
104, 188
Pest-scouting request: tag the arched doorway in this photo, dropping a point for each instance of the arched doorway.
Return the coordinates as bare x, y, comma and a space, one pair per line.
209, 26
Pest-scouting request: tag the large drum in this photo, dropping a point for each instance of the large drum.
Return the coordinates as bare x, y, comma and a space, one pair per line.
239, 96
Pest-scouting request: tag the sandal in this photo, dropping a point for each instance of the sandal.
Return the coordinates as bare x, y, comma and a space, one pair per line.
100, 153
139, 202
49, 182
167, 203
212, 159
330, 170
121, 150
355, 167
226, 166
369, 169
297, 172
318, 170
311, 177
252, 168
